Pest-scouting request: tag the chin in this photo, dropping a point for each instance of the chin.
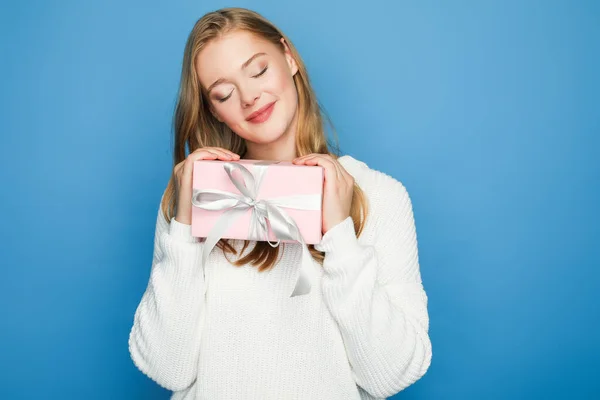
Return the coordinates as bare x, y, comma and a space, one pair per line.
267, 133
264, 139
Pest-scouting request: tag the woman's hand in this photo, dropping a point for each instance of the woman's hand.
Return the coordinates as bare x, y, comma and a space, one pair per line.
338, 188
183, 175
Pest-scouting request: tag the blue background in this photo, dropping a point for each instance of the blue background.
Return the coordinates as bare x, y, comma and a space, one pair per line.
488, 112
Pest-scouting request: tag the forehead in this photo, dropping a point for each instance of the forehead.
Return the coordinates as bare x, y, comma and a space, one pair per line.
224, 56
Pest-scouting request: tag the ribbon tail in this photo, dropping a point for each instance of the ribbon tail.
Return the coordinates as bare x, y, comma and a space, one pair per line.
284, 228
219, 229
303, 283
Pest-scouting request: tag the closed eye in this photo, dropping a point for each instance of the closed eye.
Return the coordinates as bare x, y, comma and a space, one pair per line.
221, 100
261, 72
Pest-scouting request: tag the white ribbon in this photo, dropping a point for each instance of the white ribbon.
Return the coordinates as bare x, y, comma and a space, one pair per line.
271, 210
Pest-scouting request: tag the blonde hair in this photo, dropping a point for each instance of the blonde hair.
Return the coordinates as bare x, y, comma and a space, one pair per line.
197, 127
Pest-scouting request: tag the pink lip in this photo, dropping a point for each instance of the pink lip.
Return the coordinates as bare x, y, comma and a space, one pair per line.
262, 114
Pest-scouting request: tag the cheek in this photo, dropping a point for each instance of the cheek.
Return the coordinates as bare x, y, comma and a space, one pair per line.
233, 116
228, 112
279, 82
286, 83
285, 88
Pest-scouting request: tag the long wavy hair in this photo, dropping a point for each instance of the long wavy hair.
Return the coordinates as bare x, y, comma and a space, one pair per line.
195, 126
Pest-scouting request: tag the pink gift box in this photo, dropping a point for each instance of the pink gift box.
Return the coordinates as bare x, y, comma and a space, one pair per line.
282, 178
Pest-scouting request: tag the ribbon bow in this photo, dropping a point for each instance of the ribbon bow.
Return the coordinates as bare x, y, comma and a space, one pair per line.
271, 210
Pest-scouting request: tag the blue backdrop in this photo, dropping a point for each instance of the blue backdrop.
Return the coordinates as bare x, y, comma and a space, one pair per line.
488, 112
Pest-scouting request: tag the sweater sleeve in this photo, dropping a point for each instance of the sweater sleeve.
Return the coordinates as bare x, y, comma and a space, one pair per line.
374, 292
164, 342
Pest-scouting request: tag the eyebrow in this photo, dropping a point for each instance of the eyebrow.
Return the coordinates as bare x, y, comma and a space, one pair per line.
244, 65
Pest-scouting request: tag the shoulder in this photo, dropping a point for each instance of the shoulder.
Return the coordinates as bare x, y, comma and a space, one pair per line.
376, 185
389, 207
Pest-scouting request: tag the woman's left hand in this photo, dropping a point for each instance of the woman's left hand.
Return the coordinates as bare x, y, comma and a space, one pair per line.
338, 188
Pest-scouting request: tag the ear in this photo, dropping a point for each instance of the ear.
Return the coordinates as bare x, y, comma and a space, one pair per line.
289, 58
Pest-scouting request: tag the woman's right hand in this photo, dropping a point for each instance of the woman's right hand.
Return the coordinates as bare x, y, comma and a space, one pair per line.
183, 178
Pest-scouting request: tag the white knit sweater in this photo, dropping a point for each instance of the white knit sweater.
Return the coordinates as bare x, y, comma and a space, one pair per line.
235, 334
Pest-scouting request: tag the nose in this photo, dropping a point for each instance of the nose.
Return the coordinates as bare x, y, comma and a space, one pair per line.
249, 95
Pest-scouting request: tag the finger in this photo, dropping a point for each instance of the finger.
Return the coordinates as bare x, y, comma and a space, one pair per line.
343, 174
302, 158
203, 155
338, 166
310, 159
209, 150
232, 153
341, 171
328, 165
178, 168
324, 161
326, 156
188, 165
227, 151
220, 153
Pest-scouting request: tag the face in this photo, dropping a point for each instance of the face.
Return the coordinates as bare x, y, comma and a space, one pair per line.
250, 86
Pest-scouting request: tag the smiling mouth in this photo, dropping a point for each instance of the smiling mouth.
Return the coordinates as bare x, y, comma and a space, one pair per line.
262, 114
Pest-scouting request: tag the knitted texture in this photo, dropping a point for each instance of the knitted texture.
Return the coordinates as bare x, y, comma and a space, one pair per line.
234, 333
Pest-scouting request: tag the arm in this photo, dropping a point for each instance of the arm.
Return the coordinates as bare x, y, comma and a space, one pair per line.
375, 293
164, 342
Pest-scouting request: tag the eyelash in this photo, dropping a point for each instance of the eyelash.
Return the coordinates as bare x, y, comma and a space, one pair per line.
255, 76
261, 72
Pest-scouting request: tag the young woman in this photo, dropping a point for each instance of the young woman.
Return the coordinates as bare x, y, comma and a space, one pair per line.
231, 330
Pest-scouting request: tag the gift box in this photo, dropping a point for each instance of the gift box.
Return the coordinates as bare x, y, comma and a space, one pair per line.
275, 197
